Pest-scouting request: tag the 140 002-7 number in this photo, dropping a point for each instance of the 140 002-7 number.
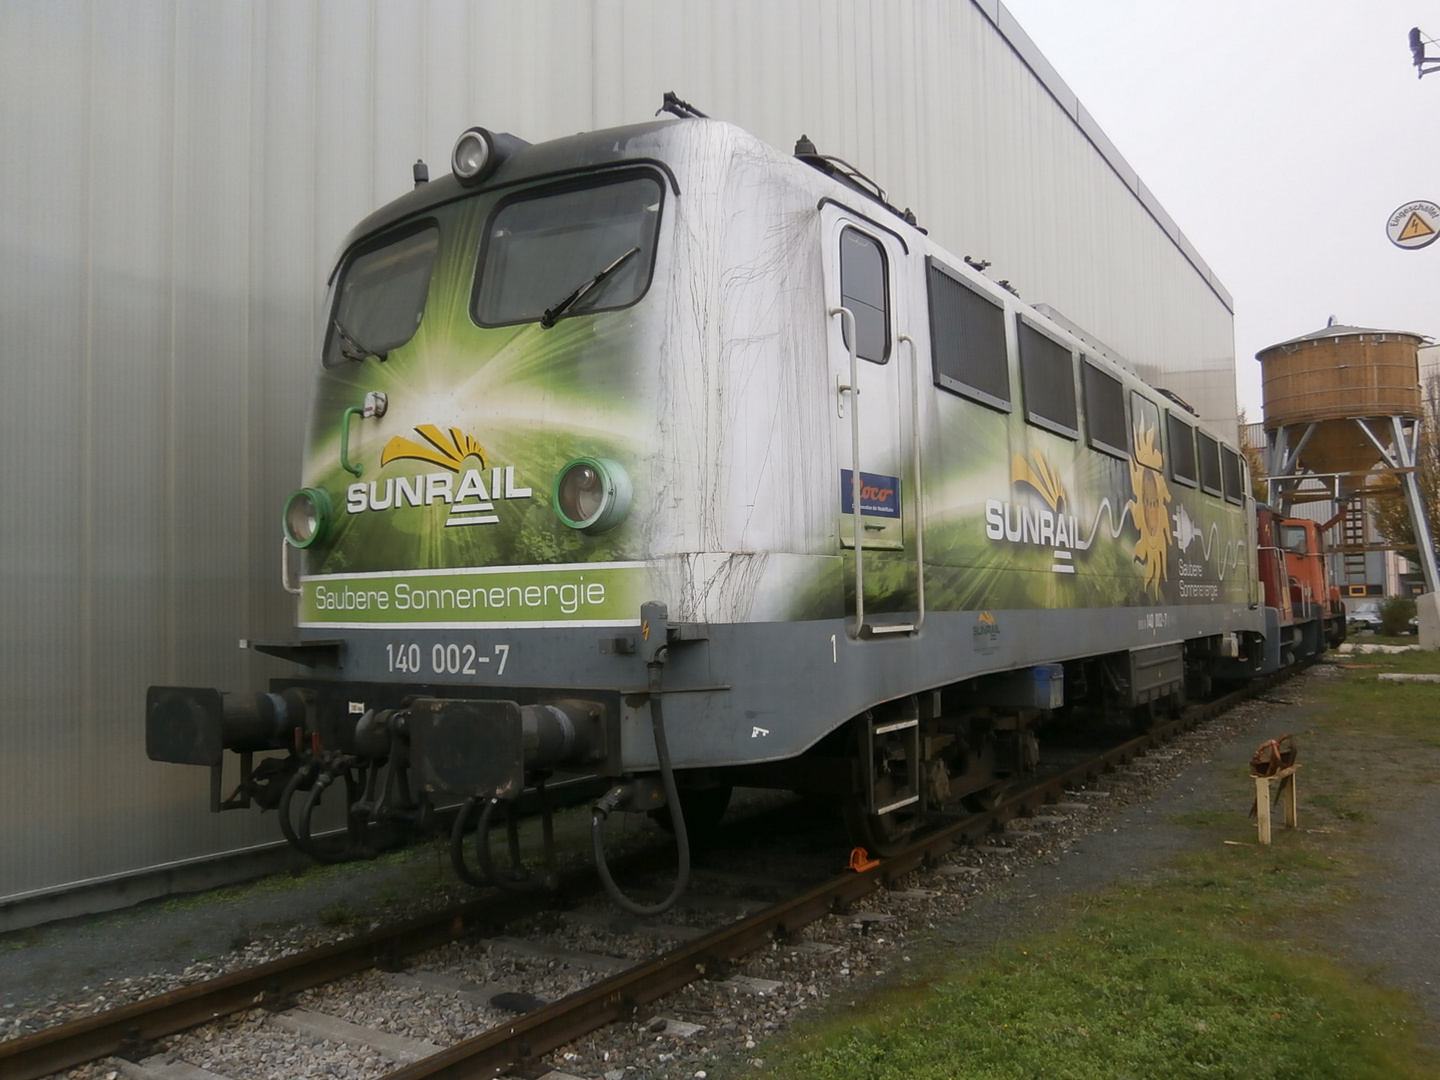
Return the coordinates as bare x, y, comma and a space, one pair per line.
444, 659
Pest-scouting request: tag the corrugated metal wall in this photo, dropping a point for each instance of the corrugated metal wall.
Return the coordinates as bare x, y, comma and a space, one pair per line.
175, 178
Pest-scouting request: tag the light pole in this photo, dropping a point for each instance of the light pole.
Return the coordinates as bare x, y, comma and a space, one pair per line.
1423, 65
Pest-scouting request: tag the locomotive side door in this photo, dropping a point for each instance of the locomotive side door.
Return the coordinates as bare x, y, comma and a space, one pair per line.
872, 362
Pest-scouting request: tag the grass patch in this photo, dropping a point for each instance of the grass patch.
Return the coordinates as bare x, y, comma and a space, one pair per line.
338, 916
308, 877
1337, 807
1214, 966
18, 939
1125, 994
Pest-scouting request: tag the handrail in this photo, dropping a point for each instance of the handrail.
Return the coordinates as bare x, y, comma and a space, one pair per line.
847, 322
918, 497
354, 468
293, 590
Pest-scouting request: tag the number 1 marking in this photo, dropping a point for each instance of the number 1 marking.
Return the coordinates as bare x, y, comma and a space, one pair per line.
834, 656
502, 651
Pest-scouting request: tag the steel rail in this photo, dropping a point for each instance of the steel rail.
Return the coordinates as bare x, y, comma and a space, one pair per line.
128, 1028
519, 1044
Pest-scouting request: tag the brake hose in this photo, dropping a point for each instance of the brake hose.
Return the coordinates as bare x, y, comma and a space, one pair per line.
611, 800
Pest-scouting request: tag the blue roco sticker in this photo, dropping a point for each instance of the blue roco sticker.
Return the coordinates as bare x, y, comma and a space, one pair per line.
879, 495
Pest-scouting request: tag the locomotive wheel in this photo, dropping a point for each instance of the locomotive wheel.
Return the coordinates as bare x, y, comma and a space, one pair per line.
879, 834
702, 807
1143, 718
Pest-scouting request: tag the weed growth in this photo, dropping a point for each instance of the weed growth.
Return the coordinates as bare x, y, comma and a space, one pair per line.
1214, 966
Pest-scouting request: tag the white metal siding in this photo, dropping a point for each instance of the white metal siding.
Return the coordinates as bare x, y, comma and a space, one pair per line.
174, 182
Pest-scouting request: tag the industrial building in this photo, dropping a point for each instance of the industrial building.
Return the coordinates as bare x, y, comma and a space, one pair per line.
177, 180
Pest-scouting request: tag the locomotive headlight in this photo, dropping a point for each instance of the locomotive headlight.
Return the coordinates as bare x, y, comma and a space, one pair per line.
592, 494
307, 516
472, 155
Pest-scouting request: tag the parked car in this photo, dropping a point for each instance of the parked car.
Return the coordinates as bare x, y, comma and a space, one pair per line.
1364, 615
1369, 614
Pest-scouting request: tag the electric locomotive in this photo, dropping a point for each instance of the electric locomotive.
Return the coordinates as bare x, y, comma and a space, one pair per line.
660, 455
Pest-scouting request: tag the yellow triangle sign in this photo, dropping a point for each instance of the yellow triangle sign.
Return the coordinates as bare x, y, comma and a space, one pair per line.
1415, 227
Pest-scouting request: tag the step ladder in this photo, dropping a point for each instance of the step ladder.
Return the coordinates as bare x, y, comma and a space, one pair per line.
1352, 548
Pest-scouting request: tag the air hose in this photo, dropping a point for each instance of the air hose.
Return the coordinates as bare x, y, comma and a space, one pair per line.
329, 773
457, 845
514, 878
613, 798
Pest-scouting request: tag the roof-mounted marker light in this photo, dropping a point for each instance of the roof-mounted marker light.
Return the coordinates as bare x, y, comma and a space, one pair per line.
479, 152
472, 155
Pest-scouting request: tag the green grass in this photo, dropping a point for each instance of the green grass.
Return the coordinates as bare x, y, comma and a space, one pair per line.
1127, 996
420, 859
1215, 966
338, 916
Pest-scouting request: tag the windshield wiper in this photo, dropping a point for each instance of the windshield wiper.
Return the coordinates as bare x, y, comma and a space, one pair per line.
547, 320
352, 349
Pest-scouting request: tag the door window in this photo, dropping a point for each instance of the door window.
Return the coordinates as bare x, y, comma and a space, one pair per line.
863, 290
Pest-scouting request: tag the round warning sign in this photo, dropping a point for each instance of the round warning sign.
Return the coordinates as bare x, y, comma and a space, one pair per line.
1414, 225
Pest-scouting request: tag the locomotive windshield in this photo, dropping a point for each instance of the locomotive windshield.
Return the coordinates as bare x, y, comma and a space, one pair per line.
569, 251
381, 296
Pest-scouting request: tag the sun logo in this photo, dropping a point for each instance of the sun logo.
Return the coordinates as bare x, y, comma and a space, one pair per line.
449, 453
986, 619
1041, 476
1149, 509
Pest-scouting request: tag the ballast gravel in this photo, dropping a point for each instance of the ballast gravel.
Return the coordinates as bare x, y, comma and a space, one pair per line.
979, 895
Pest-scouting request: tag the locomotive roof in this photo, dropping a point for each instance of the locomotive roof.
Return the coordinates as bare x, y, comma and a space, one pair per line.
585, 150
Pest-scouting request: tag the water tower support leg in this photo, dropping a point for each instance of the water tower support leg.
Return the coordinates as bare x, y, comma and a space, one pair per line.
1281, 461
1428, 605
1406, 450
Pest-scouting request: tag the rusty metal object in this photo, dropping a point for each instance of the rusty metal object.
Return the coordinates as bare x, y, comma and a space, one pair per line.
1271, 758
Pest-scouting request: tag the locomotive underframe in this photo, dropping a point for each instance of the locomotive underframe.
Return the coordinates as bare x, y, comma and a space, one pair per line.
898, 729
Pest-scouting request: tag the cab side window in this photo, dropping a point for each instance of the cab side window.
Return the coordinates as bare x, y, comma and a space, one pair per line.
1105, 410
1210, 478
1233, 476
863, 290
967, 339
1047, 374
1182, 451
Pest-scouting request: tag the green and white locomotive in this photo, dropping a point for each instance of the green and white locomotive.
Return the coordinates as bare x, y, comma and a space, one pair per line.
599, 429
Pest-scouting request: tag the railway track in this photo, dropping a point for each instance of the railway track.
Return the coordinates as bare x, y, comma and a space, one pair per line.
535, 990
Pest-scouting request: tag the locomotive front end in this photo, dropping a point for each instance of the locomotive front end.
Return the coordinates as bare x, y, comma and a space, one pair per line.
471, 542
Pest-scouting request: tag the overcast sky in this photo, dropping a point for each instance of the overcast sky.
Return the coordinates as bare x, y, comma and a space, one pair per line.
1280, 135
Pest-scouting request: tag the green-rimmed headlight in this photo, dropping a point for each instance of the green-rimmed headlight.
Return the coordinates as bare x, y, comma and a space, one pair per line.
592, 494
307, 516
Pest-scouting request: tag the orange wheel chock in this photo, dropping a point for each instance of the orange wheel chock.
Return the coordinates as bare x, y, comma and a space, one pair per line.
860, 860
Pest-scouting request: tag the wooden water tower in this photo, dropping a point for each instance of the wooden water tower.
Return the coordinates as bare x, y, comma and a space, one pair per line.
1343, 408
